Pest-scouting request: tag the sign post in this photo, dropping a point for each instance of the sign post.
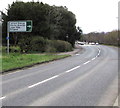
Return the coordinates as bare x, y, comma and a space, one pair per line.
8, 39
18, 26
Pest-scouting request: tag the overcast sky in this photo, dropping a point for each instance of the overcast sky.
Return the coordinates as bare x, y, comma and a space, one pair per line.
91, 15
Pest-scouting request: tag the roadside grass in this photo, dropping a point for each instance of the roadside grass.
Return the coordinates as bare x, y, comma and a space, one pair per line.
17, 60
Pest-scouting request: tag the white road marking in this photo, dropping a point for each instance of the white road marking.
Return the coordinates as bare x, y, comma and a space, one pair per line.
99, 51
86, 62
36, 84
43, 81
77, 54
96, 56
3, 97
93, 58
116, 102
72, 69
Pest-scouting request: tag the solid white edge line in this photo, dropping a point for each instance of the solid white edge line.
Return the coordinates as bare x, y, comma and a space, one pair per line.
3, 97
72, 69
43, 81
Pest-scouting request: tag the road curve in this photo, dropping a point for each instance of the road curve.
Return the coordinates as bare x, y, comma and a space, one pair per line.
88, 78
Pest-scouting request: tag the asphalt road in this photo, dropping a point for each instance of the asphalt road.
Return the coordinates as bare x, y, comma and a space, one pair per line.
88, 78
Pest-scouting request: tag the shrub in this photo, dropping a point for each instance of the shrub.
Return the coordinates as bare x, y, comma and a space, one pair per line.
62, 46
58, 46
50, 49
39, 44
24, 44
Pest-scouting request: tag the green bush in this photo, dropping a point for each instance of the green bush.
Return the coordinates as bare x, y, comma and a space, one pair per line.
31, 45
24, 44
39, 44
62, 46
50, 49
58, 46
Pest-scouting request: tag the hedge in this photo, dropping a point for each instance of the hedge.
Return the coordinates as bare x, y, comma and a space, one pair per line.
39, 44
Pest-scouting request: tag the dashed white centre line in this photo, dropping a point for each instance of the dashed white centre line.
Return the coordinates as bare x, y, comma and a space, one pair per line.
86, 62
2, 97
72, 69
99, 53
77, 54
36, 84
93, 58
43, 81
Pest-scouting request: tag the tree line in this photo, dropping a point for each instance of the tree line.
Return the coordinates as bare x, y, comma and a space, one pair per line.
49, 22
108, 38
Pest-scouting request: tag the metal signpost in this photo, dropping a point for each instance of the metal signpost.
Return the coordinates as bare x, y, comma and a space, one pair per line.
18, 26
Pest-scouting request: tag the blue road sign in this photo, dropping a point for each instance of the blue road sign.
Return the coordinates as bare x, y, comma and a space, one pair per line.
7, 38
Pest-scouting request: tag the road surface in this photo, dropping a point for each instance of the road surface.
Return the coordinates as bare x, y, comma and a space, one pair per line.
88, 78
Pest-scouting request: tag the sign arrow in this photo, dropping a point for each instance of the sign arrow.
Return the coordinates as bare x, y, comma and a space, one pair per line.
29, 26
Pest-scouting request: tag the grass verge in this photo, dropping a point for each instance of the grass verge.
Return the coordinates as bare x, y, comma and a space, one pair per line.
16, 61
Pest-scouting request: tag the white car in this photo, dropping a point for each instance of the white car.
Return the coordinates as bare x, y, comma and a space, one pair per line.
92, 43
97, 43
